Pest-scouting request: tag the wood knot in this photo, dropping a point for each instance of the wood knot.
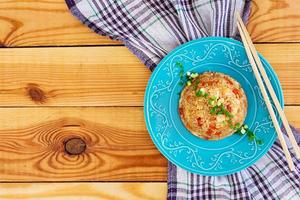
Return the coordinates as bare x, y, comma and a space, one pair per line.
35, 93
75, 146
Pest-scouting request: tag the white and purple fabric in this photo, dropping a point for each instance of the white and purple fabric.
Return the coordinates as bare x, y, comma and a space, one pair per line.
152, 28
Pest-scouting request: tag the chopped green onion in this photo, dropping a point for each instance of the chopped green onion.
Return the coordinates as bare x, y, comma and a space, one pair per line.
194, 75
196, 84
220, 102
211, 102
243, 131
179, 64
238, 125
198, 93
251, 136
259, 141
228, 114
213, 110
219, 112
222, 109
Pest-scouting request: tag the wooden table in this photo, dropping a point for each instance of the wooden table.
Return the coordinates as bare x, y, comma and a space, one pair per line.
61, 84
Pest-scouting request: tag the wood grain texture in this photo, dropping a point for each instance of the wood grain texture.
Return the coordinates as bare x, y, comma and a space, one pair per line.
275, 21
93, 76
86, 191
49, 23
43, 23
292, 116
104, 76
118, 146
285, 59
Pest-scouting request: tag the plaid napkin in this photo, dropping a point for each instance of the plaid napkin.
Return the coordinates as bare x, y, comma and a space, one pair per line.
152, 28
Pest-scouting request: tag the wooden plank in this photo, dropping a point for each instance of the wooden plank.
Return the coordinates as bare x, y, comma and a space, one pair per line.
275, 21
86, 191
104, 76
285, 60
293, 117
49, 23
93, 76
43, 23
118, 147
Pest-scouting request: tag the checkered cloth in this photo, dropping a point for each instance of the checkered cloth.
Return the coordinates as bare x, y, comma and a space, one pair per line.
151, 29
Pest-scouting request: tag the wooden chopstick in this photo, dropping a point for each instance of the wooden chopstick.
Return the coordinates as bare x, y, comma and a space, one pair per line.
243, 32
270, 89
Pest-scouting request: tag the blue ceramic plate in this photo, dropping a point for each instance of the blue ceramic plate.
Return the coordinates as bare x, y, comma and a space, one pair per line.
175, 142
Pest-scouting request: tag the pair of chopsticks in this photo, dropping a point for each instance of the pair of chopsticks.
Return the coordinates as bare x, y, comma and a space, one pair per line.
260, 73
